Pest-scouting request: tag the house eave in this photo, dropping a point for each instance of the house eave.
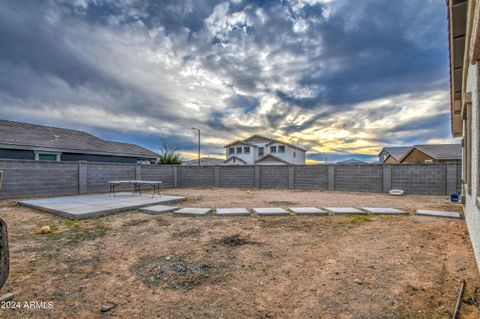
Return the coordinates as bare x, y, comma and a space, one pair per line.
71, 150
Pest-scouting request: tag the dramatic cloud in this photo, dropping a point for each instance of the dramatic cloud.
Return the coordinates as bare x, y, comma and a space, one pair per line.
341, 77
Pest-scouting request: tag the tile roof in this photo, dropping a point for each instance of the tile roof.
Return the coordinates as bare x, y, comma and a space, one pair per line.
397, 151
441, 151
204, 161
32, 135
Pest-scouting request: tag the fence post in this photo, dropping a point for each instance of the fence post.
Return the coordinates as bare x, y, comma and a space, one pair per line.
257, 176
387, 178
291, 176
138, 171
82, 177
217, 176
175, 176
451, 182
331, 177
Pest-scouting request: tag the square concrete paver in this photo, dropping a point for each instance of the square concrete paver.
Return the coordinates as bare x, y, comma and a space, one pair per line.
158, 209
232, 212
193, 211
344, 210
270, 211
308, 211
88, 206
438, 213
386, 211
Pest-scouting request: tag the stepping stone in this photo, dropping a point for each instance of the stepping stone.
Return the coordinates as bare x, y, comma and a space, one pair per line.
270, 211
438, 213
193, 211
386, 211
158, 209
232, 212
344, 210
308, 211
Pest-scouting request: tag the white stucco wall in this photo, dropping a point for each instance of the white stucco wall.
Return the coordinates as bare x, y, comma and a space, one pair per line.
472, 212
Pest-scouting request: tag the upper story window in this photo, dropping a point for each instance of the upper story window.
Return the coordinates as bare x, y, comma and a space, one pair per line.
294, 154
261, 151
281, 148
231, 150
246, 149
239, 150
273, 149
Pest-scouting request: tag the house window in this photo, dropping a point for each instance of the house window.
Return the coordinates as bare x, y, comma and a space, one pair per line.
273, 149
261, 151
246, 149
294, 154
47, 157
231, 150
281, 148
239, 150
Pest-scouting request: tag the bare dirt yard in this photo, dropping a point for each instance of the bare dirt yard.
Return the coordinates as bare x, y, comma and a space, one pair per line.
168, 266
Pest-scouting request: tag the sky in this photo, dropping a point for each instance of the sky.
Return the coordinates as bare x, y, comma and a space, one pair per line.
343, 78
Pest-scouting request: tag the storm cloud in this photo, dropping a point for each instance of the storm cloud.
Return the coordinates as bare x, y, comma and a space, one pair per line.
341, 77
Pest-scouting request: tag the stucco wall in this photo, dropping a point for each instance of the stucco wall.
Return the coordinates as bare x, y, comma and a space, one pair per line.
472, 211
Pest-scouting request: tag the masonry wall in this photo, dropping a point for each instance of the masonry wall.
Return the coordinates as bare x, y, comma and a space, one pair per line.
34, 178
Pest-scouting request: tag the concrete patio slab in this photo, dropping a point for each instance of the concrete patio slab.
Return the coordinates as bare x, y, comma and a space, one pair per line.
438, 213
189, 211
158, 209
88, 206
308, 211
232, 212
344, 210
384, 211
271, 211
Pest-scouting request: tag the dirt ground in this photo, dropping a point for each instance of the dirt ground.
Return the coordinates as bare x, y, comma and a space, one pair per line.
244, 267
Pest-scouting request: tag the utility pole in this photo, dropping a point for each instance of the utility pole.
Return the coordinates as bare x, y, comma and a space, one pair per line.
197, 129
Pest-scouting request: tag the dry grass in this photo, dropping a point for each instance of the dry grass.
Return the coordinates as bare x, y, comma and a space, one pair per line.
244, 267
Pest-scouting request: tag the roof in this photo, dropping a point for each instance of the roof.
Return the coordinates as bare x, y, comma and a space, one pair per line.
396, 151
18, 135
439, 151
204, 161
272, 157
234, 158
272, 140
240, 142
352, 161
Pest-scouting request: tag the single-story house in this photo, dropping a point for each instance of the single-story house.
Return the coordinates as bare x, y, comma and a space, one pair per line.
433, 153
204, 161
24, 141
392, 154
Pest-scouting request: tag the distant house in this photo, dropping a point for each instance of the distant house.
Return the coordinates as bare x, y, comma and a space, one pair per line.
392, 154
204, 161
261, 150
351, 161
25, 141
433, 153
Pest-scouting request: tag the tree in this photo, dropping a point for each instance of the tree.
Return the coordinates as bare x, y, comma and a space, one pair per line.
169, 155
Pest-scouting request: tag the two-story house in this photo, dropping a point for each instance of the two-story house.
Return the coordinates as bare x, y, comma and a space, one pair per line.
261, 150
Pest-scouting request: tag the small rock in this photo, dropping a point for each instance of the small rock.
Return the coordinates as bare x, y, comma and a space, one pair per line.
6, 297
45, 230
358, 281
107, 307
168, 258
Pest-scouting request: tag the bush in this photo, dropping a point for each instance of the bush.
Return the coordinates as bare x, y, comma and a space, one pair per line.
169, 156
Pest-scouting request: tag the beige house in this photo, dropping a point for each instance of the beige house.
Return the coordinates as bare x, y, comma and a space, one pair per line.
464, 40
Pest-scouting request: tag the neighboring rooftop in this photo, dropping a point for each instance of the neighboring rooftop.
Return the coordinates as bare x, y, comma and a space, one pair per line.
440, 151
397, 151
204, 161
351, 161
18, 135
272, 140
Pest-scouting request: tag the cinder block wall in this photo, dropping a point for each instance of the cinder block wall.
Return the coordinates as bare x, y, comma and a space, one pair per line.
33, 178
